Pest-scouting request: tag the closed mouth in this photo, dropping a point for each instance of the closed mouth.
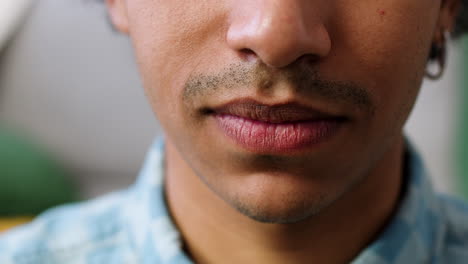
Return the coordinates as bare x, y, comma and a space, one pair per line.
274, 129
276, 114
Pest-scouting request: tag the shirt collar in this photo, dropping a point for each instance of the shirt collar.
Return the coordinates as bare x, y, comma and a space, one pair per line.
415, 231
152, 233
410, 237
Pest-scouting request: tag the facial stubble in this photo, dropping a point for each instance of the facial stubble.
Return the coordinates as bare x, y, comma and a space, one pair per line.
306, 82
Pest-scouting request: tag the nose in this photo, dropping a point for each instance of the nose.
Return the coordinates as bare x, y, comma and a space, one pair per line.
278, 32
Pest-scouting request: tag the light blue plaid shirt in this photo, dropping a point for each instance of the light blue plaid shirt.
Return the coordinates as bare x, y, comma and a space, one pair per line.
133, 226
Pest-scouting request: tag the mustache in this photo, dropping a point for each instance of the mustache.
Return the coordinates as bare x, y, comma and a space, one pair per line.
305, 81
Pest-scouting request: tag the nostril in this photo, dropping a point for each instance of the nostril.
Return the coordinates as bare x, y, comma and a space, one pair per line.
309, 58
248, 54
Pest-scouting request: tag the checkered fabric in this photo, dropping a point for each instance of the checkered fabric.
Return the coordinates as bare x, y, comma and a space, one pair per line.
133, 226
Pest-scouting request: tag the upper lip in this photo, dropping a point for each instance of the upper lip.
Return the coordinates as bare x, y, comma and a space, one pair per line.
272, 113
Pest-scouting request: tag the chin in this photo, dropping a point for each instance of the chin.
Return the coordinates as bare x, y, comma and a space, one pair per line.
282, 208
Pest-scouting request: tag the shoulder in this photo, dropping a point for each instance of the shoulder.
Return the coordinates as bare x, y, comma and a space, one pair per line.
77, 233
455, 240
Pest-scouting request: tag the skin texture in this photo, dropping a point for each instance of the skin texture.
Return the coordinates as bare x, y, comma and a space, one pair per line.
363, 60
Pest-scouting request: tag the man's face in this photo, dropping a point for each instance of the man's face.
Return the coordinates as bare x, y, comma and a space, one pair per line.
280, 106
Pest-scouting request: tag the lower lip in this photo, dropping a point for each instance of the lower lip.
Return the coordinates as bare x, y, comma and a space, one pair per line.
263, 137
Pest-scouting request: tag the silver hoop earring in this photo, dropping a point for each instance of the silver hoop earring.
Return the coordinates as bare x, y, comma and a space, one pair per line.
439, 55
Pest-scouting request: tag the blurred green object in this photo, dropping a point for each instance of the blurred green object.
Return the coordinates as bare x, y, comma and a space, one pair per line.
30, 182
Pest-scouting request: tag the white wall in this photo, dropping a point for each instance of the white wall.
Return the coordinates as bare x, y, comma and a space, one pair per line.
72, 84
432, 124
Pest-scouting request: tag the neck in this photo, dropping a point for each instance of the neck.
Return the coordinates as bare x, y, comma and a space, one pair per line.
212, 230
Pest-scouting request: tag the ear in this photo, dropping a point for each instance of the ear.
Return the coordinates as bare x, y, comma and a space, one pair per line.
118, 14
449, 12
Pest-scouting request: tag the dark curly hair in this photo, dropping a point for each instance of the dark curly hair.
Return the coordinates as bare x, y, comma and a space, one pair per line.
462, 21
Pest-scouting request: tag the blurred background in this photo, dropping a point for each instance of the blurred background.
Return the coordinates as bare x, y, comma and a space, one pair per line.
74, 122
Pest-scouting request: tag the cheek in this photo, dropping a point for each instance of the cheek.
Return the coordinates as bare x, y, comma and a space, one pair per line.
393, 34
172, 38
385, 43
